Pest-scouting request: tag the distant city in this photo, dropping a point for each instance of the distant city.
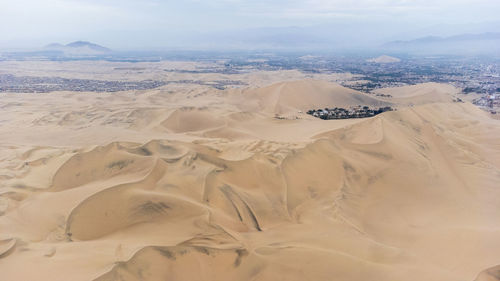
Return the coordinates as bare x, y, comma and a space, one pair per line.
472, 74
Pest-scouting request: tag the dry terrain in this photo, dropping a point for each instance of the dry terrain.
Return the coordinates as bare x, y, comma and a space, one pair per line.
188, 182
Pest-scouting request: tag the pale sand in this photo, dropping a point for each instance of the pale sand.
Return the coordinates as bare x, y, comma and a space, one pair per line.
207, 185
420, 94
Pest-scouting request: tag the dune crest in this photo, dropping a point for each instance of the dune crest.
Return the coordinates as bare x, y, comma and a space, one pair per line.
212, 186
420, 93
303, 95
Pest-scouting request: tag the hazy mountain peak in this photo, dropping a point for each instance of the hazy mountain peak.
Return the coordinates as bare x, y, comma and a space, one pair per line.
78, 48
54, 46
83, 44
459, 37
467, 43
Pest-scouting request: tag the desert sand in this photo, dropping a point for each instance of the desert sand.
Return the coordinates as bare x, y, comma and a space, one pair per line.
204, 184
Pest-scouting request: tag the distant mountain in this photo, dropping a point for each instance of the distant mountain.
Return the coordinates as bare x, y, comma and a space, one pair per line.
436, 39
384, 59
54, 46
84, 44
459, 44
78, 48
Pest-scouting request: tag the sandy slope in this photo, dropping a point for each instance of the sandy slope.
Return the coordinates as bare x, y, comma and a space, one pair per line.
490, 274
209, 186
285, 97
421, 93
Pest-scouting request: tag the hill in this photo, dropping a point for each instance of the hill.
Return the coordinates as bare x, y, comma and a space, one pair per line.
293, 96
420, 93
465, 44
78, 48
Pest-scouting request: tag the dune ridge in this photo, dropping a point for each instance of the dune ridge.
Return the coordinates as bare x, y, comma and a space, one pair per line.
216, 188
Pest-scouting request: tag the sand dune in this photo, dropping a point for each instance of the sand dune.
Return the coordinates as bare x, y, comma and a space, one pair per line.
214, 188
6, 247
192, 119
490, 274
421, 93
303, 95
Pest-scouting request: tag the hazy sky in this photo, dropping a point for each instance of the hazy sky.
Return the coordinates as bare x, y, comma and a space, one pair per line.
156, 23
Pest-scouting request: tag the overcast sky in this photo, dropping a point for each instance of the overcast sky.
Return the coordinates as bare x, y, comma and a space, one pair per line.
156, 23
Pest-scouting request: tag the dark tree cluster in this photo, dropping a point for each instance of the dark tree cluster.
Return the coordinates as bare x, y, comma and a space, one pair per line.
343, 113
